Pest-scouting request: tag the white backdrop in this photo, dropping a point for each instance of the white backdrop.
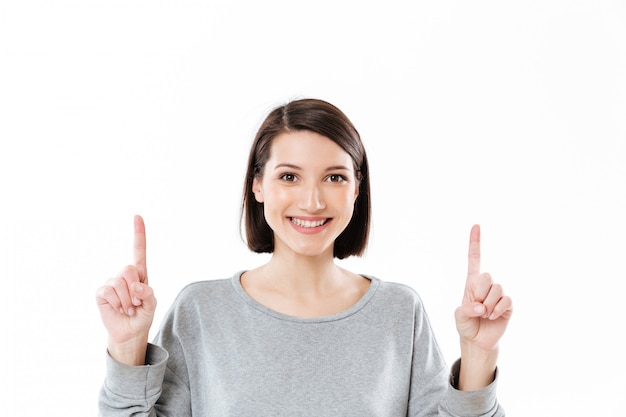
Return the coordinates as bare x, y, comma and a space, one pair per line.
507, 114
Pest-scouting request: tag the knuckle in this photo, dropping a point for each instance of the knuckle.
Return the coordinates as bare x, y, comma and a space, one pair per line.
128, 270
120, 283
107, 291
109, 295
101, 292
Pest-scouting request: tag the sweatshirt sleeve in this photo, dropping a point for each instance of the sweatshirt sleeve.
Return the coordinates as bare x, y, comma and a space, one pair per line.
433, 391
480, 403
133, 390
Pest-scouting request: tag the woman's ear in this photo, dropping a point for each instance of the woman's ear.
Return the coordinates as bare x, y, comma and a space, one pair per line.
257, 189
358, 184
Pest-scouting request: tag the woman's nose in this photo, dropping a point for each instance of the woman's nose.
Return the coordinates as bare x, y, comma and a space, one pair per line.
311, 198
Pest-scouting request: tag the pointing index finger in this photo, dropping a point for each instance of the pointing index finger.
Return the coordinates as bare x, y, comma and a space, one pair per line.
473, 261
139, 248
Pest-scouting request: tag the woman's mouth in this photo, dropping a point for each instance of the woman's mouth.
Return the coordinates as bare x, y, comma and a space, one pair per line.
307, 224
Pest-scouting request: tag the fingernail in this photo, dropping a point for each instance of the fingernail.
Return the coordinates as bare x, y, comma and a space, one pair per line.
479, 309
131, 311
138, 287
136, 301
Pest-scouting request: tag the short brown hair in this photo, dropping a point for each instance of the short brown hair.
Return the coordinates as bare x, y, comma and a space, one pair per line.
327, 120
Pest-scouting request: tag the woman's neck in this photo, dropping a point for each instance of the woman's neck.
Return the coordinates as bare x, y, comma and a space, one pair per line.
302, 274
304, 286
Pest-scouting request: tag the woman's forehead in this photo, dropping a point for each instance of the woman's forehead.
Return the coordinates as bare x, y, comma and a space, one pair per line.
307, 148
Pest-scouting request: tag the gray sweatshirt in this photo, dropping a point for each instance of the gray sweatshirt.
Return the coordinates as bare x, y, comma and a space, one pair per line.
220, 353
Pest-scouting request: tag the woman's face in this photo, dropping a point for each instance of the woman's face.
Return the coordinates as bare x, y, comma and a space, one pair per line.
308, 190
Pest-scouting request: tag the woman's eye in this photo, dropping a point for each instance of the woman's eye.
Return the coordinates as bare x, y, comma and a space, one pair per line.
336, 178
288, 177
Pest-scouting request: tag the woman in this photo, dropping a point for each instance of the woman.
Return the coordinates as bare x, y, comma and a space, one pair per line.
299, 336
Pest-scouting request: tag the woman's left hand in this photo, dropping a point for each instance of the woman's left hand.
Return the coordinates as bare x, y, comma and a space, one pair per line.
485, 311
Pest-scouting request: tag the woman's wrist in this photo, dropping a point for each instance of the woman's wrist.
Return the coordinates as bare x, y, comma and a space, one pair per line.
477, 369
132, 352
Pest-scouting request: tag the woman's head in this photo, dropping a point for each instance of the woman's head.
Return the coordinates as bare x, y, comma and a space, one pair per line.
324, 119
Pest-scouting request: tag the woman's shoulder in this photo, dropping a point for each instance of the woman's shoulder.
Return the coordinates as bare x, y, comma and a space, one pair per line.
393, 291
215, 290
206, 285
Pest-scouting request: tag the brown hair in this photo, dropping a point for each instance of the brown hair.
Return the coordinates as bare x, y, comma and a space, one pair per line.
327, 120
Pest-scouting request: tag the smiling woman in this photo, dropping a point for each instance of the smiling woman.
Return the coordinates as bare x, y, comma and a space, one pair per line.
308, 118
299, 335
308, 186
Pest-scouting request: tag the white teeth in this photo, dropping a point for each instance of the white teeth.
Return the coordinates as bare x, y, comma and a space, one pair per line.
307, 223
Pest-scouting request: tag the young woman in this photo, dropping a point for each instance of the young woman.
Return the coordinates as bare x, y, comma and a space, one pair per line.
299, 336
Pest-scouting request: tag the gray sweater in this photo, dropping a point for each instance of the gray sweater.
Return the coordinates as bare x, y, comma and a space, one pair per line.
220, 353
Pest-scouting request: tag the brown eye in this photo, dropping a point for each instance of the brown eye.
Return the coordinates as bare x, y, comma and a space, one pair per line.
336, 178
288, 177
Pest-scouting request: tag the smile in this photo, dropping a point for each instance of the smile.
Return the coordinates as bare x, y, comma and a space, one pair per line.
307, 223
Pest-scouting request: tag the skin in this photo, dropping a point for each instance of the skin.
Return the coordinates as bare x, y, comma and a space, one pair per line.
127, 305
311, 179
481, 320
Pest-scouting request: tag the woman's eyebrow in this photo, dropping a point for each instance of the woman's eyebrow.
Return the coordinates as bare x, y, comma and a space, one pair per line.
337, 167
287, 165
296, 167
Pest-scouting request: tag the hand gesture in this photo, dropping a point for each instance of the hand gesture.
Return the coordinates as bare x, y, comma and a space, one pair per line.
485, 311
127, 305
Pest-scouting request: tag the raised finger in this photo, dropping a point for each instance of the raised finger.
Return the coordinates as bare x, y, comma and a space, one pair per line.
473, 256
139, 247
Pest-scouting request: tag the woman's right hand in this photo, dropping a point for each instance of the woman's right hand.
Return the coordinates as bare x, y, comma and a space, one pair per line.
127, 306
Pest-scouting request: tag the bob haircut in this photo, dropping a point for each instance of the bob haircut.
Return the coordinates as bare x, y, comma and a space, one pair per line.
324, 119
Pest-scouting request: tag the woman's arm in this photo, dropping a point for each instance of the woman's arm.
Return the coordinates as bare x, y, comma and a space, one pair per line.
481, 320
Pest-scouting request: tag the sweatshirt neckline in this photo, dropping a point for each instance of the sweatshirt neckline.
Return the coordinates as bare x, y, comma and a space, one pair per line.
374, 283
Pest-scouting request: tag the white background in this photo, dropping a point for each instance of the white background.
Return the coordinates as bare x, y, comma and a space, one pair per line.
507, 114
